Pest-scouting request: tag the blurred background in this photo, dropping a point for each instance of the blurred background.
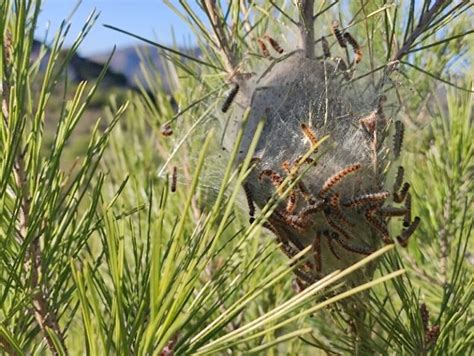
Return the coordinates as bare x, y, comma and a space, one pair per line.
151, 19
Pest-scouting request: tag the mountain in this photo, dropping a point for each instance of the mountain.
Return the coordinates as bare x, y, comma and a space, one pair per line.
130, 61
82, 68
126, 67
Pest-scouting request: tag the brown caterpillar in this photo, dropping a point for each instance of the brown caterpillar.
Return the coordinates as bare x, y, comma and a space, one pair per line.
174, 179
336, 178
291, 204
271, 228
308, 160
166, 130
317, 251
301, 220
362, 250
338, 34
378, 225
331, 246
263, 48
325, 46
399, 197
391, 211
398, 180
309, 133
294, 221
250, 203
334, 201
286, 166
230, 98
304, 279
407, 217
274, 177
337, 227
398, 138
366, 199
432, 335
406, 233
274, 44
355, 46
307, 196
312, 209
289, 250
425, 316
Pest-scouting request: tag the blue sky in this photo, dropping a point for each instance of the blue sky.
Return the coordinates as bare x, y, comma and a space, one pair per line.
148, 18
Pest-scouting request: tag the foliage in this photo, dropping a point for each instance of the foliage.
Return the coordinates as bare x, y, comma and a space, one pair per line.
104, 259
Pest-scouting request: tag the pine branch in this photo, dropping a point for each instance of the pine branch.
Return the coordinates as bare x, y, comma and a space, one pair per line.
227, 53
426, 19
44, 317
443, 242
306, 27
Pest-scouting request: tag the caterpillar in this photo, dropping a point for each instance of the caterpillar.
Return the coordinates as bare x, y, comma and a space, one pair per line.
166, 130
399, 197
250, 203
274, 44
405, 235
317, 251
274, 177
366, 199
336, 178
362, 250
407, 217
338, 34
398, 179
355, 46
398, 138
336, 210
391, 211
378, 225
337, 227
263, 48
325, 45
309, 133
174, 179
230, 98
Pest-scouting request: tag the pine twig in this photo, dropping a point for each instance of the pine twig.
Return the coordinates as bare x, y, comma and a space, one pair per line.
43, 316
443, 243
423, 24
306, 27
228, 55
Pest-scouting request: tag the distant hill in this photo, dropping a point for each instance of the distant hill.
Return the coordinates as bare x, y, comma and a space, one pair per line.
126, 67
130, 61
81, 68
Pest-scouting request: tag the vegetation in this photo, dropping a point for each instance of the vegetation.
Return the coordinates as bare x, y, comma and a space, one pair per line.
100, 256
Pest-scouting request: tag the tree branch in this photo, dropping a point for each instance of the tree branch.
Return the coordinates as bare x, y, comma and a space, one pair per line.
44, 318
228, 55
423, 24
306, 26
